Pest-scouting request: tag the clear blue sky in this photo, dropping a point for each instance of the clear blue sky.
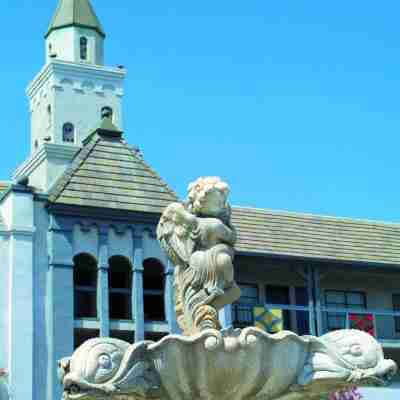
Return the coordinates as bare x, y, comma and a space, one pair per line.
295, 103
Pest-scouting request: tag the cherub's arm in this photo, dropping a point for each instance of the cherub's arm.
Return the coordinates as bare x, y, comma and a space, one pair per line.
220, 232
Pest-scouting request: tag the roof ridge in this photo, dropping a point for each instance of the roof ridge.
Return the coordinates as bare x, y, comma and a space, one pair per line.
325, 217
77, 162
151, 170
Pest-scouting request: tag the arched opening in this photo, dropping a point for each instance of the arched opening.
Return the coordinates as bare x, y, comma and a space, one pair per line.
83, 42
120, 288
107, 112
85, 286
153, 290
49, 116
68, 133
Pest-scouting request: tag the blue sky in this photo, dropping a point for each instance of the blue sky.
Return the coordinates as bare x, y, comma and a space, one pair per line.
295, 103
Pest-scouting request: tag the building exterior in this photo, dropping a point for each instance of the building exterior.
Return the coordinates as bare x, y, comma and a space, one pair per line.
78, 249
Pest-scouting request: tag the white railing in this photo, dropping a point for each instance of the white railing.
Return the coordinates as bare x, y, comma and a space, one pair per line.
384, 322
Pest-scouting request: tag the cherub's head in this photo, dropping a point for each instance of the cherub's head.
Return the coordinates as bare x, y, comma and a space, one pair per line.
208, 196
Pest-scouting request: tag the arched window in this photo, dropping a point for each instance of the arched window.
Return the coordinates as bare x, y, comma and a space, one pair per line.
68, 133
50, 49
107, 112
49, 116
83, 48
153, 290
120, 288
85, 286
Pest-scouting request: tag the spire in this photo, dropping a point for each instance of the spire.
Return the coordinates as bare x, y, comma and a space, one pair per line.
75, 13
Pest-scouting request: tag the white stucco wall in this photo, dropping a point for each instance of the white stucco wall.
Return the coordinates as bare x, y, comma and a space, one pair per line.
76, 93
65, 45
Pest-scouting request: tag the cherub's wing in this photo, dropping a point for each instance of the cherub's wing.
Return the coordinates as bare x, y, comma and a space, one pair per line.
175, 233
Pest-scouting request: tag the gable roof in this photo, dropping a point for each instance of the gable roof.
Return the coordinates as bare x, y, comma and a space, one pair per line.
75, 13
280, 233
107, 173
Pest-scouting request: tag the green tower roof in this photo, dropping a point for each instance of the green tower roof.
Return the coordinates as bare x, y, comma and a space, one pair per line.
75, 13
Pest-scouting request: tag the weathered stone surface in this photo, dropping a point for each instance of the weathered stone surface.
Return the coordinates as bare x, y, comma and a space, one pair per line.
234, 365
199, 239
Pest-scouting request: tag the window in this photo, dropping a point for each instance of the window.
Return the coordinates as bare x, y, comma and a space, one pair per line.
154, 336
280, 295
396, 307
82, 335
49, 117
85, 286
107, 112
120, 288
242, 310
83, 48
127, 336
68, 133
153, 290
297, 321
342, 299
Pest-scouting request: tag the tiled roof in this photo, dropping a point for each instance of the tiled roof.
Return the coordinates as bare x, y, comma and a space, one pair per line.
4, 186
75, 13
107, 173
315, 237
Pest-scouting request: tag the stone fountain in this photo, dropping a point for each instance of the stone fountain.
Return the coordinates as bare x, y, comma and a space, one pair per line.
205, 362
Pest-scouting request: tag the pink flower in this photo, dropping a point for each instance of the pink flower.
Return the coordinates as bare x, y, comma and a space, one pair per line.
349, 394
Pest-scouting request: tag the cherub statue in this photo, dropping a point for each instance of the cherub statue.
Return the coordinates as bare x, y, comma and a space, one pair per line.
199, 239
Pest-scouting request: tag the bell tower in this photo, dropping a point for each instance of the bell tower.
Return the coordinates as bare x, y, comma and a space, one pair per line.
75, 34
67, 96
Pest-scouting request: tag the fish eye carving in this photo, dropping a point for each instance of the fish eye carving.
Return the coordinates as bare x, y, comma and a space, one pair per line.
356, 350
105, 361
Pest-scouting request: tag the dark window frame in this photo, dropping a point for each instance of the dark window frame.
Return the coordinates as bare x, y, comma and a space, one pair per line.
154, 290
84, 289
83, 48
245, 308
396, 308
119, 265
345, 305
68, 132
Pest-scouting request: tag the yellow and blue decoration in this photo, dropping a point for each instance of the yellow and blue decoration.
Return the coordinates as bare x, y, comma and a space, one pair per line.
268, 320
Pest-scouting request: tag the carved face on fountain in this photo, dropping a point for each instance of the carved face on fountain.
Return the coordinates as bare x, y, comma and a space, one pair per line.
100, 367
208, 197
349, 356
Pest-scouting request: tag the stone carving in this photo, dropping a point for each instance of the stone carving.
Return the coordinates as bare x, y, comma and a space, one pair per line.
232, 364
209, 364
199, 238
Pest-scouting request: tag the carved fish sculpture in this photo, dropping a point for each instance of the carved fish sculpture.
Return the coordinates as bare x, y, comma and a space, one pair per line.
232, 364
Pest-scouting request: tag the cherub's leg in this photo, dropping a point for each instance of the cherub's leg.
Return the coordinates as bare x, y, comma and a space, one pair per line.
226, 281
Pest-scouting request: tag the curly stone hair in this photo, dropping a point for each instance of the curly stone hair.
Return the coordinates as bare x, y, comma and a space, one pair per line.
198, 190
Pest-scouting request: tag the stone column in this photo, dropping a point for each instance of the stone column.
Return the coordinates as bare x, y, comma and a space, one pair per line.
137, 294
169, 300
21, 314
103, 313
60, 303
18, 272
60, 336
